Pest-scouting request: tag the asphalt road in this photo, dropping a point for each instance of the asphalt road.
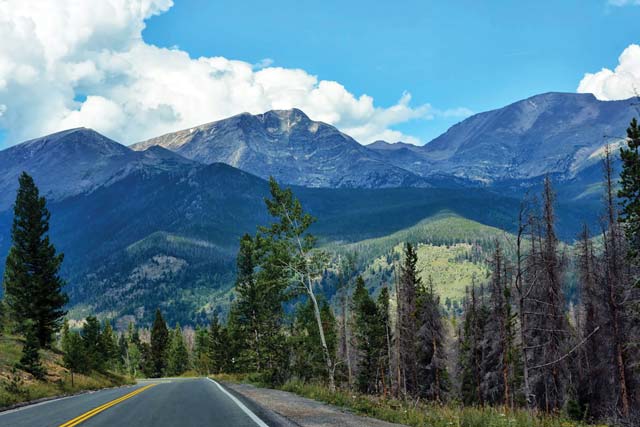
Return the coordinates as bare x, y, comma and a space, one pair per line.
169, 402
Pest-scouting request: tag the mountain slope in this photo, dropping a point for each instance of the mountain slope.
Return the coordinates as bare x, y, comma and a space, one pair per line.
291, 147
561, 134
555, 133
76, 161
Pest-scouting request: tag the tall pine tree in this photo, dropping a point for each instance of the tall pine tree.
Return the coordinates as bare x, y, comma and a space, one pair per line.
159, 345
33, 288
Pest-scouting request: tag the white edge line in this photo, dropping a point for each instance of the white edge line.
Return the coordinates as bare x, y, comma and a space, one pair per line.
241, 405
33, 405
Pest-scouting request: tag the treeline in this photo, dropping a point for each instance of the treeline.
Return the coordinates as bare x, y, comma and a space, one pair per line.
137, 353
519, 343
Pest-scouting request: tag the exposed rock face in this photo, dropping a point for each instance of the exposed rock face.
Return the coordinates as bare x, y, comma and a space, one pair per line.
76, 161
291, 147
557, 133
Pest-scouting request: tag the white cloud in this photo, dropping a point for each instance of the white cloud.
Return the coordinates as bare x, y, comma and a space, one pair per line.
621, 83
69, 63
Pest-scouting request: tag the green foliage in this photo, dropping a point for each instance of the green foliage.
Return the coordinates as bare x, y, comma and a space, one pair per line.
307, 360
75, 355
30, 360
159, 346
257, 314
93, 344
178, 355
370, 336
630, 188
32, 286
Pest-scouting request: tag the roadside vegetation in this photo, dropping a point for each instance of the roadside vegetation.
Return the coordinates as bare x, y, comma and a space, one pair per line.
18, 386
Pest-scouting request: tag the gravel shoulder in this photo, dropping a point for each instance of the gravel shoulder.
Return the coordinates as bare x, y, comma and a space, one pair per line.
302, 411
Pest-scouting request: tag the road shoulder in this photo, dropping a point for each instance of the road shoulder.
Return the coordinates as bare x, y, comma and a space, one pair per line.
297, 410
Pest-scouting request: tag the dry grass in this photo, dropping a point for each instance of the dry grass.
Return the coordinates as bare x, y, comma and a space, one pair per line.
18, 386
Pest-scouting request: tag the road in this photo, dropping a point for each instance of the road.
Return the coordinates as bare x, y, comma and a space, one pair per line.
182, 402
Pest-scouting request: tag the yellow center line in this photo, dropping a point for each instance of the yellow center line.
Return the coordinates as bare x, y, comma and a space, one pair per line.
95, 411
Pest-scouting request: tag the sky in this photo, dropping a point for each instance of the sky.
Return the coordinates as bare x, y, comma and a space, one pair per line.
404, 70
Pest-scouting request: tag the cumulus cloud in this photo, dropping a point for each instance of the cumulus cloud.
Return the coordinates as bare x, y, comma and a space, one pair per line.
67, 64
621, 83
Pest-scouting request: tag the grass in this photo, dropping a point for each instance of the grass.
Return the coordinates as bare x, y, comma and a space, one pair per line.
424, 414
17, 386
418, 414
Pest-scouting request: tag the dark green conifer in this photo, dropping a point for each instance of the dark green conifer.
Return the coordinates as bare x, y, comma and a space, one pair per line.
159, 345
33, 289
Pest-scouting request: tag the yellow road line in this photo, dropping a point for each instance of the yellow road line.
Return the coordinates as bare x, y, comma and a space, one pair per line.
95, 411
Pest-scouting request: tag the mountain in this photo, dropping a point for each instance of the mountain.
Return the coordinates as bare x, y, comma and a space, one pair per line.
76, 161
169, 239
561, 134
149, 228
291, 147
554, 133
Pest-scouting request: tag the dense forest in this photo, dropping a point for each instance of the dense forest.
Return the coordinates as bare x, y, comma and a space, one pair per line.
516, 341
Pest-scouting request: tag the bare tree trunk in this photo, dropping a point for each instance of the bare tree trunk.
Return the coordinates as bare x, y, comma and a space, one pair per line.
323, 341
614, 280
345, 332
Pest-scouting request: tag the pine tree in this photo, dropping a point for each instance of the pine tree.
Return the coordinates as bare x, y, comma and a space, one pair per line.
93, 343
159, 346
386, 355
501, 354
178, 355
629, 192
30, 360
408, 286
471, 351
108, 345
433, 379
370, 338
258, 312
75, 354
33, 289
201, 353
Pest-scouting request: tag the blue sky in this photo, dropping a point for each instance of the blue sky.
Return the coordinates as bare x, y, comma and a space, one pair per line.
403, 70
480, 55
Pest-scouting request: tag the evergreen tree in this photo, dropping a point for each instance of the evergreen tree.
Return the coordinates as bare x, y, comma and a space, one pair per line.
220, 346
370, 339
433, 379
75, 354
202, 352
33, 289
306, 362
471, 350
30, 360
178, 355
257, 313
385, 322
501, 354
629, 192
159, 346
109, 345
408, 286
93, 343
147, 361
